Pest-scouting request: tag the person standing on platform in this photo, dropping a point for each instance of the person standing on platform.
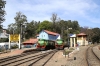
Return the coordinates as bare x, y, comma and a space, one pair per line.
77, 46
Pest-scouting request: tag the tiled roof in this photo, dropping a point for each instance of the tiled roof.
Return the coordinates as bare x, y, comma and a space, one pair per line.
81, 34
31, 41
52, 33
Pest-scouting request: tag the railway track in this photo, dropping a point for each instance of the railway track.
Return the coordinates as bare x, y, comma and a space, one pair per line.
91, 58
41, 61
17, 56
28, 60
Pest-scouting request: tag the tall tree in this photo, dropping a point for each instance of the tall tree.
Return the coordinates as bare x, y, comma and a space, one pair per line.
20, 21
54, 19
30, 29
2, 12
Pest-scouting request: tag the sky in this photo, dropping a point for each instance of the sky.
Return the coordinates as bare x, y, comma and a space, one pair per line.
86, 12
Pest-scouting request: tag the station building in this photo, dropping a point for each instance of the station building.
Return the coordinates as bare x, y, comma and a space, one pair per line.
82, 39
48, 35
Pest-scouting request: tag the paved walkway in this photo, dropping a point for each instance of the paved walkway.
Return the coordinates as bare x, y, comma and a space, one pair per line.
80, 58
60, 60
15, 52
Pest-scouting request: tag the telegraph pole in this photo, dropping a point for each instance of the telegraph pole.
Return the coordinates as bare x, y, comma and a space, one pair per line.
20, 36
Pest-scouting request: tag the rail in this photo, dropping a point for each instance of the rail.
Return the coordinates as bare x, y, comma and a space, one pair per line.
20, 60
94, 56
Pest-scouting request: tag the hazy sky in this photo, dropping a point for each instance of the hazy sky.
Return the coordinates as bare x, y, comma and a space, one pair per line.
86, 12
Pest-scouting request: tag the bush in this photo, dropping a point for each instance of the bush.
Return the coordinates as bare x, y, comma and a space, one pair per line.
71, 48
67, 52
4, 40
14, 47
2, 49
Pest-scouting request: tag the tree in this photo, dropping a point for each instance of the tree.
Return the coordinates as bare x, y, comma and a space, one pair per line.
2, 12
75, 27
95, 35
20, 21
12, 28
45, 25
31, 29
54, 19
19, 26
61, 27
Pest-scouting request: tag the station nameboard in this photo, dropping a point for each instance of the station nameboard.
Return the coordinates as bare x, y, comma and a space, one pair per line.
14, 37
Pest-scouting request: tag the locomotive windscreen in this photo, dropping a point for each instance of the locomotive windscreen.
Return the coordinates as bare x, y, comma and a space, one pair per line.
41, 42
59, 42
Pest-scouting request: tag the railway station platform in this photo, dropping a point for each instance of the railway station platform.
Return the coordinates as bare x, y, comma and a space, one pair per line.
13, 52
60, 60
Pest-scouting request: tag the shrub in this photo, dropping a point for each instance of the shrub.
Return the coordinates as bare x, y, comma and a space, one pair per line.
14, 47
71, 48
